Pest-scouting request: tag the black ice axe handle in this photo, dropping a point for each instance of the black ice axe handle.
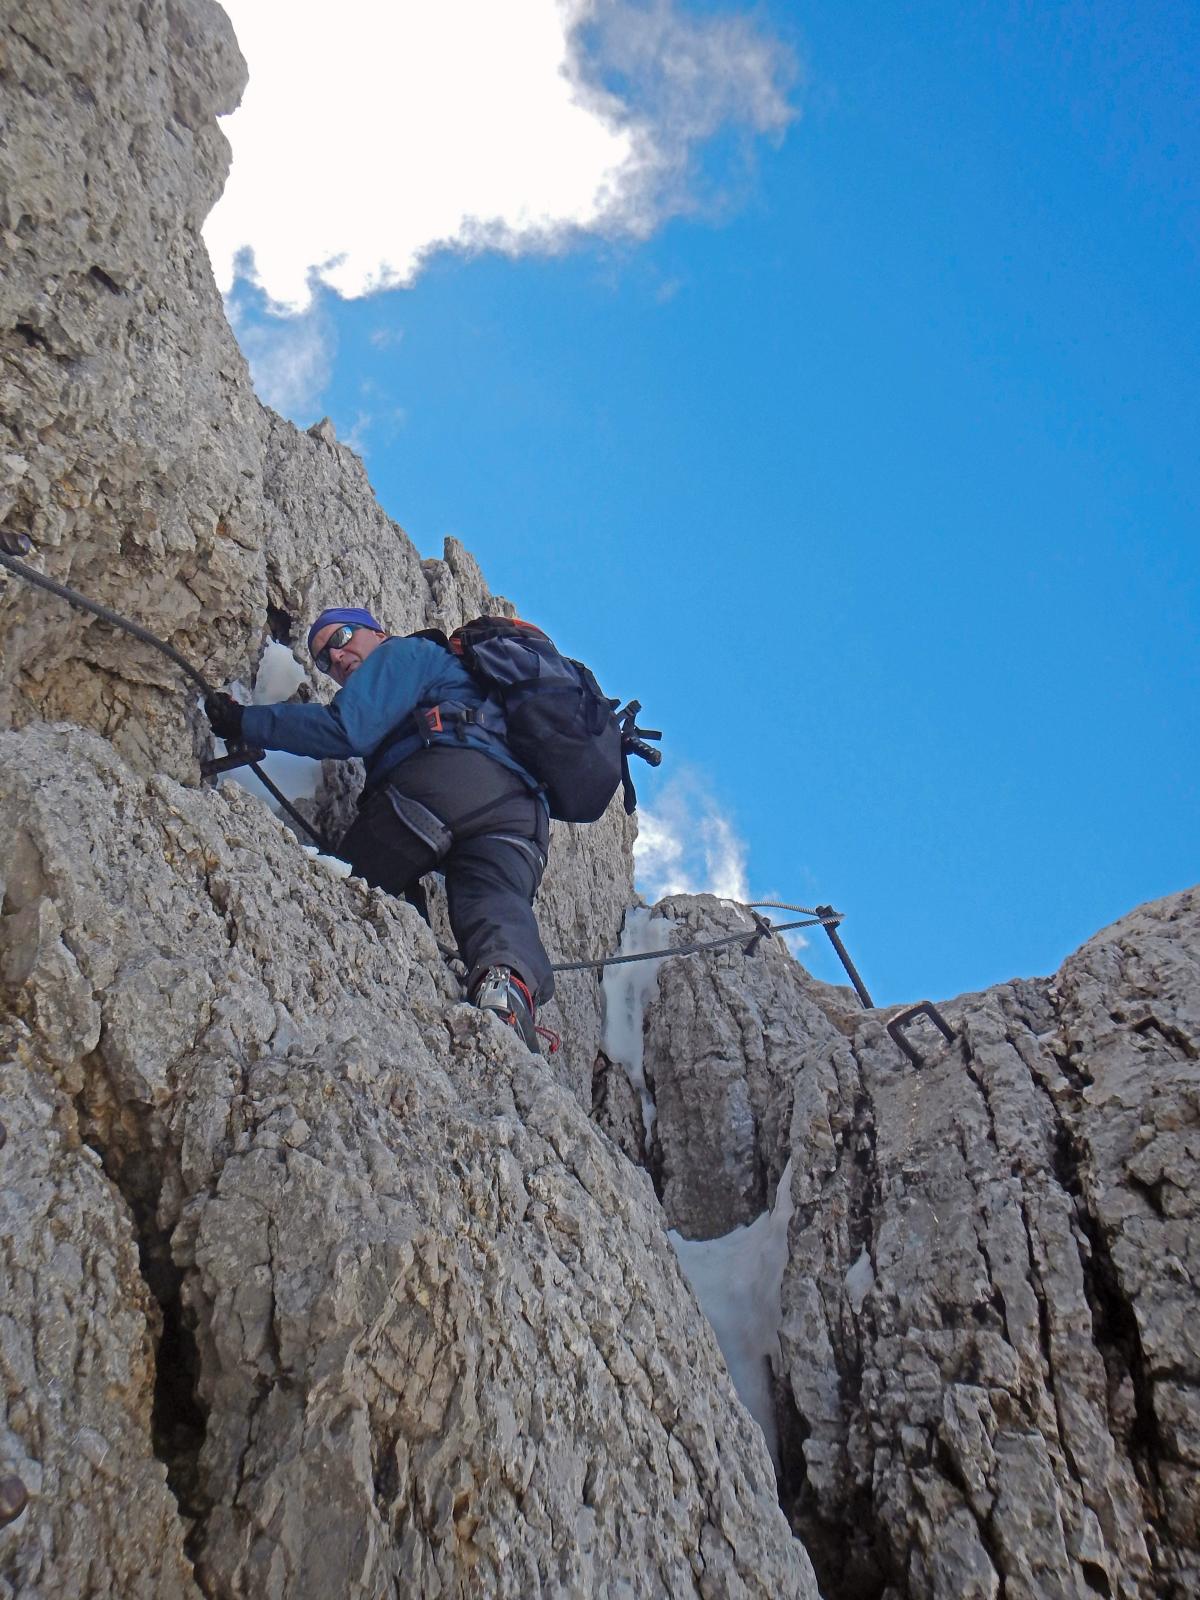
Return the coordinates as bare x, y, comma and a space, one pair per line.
638, 747
633, 738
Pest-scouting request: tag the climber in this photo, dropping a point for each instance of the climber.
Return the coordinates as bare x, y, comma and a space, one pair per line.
445, 795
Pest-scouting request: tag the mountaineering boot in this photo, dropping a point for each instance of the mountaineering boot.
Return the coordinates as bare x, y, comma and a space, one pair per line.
502, 991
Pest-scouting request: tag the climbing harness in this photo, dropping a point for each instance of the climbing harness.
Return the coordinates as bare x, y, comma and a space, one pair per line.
12, 544
815, 917
550, 712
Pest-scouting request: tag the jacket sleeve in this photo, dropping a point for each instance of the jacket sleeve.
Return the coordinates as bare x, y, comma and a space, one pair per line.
378, 697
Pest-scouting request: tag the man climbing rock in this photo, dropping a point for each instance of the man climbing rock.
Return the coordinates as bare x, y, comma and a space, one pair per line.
442, 792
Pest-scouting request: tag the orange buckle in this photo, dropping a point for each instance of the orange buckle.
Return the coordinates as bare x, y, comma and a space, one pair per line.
433, 718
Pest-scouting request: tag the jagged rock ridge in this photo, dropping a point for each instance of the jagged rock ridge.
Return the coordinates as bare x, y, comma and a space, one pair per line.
990, 1366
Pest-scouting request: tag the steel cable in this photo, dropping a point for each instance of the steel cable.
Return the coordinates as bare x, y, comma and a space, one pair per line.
747, 939
106, 614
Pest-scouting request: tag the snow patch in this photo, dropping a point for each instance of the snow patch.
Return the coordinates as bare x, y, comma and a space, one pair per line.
339, 868
737, 1280
860, 1280
278, 677
626, 991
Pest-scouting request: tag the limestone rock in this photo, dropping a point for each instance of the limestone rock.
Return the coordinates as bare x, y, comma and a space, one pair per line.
725, 1042
995, 1396
581, 905
130, 439
989, 1352
78, 1327
440, 1341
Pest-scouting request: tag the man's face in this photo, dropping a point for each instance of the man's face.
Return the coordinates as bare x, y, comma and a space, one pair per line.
350, 656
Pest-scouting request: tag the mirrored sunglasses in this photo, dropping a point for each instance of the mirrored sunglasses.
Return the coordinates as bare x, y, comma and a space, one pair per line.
337, 640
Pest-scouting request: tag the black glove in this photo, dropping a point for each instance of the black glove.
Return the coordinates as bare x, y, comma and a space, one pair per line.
225, 715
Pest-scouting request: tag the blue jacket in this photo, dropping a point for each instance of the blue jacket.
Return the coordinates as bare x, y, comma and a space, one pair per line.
370, 716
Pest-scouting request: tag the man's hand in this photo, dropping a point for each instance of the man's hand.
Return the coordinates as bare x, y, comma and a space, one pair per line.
225, 715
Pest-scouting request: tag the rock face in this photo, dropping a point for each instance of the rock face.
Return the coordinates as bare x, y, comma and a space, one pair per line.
136, 456
421, 1328
990, 1360
78, 1336
312, 1281
283, 1221
131, 442
724, 1043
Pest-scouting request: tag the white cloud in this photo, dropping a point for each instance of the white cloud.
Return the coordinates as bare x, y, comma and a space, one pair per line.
371, 135
356, 436
687, 846
290, 358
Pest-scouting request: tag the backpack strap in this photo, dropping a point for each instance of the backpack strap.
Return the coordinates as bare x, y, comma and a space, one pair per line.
627, 789
453, 715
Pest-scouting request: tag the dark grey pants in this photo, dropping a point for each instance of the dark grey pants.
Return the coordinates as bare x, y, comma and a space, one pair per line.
500, 835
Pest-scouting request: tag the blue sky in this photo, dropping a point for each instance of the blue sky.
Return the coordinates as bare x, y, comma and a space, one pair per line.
864, 455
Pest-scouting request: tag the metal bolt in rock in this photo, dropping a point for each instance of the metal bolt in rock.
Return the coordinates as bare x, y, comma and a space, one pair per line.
843, 955
14, 1497
923, 1008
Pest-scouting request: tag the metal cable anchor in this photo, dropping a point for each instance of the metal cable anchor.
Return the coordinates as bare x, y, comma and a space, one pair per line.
903, 1018
765, 930
827, 913
242, 756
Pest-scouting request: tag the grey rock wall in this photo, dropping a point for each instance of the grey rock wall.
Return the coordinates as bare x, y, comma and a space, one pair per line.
78, 1335
136, 456
130, 441
989, 1363
725, 1042
417, 1324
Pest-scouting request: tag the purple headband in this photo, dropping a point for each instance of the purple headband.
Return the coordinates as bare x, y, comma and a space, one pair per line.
354, 615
